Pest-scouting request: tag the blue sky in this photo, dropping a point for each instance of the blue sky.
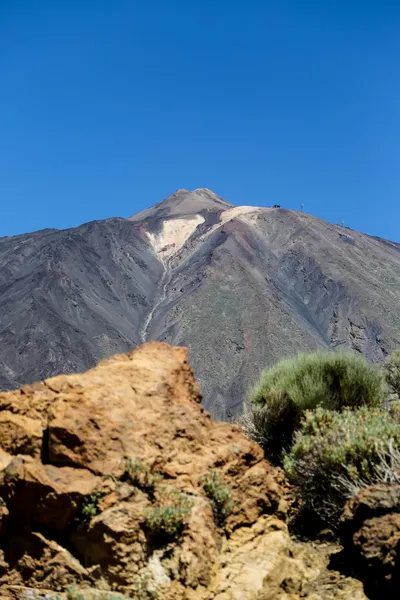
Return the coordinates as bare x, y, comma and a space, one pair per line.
109, 107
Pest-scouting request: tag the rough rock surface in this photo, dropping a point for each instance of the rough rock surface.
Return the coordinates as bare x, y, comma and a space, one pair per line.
241, 286
370, 532
74, 512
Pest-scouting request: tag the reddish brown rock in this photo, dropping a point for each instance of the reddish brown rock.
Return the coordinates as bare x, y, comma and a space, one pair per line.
72, 511
42, 563
43, 495
370, 532
19, 434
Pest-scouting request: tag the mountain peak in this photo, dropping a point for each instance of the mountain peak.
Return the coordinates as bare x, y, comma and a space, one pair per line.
183, 203
206, 191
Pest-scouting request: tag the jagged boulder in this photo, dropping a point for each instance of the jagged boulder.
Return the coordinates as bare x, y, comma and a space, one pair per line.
118, 480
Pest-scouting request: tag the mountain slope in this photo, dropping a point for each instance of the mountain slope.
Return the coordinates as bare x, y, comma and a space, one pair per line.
265, 283
68, 298
241, 286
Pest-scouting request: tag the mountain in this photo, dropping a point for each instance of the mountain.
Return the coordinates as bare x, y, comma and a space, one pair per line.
241, 286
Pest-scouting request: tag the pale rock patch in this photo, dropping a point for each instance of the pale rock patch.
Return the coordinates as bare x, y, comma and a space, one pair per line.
173, 235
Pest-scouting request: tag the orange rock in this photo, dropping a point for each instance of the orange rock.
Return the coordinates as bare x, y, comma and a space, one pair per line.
74, 513
19, 434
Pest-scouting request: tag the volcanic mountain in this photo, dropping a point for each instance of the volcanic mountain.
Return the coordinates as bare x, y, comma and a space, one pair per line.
241, 286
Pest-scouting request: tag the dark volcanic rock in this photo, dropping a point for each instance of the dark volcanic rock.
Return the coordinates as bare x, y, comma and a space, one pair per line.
240, 286
69, 298
370, 532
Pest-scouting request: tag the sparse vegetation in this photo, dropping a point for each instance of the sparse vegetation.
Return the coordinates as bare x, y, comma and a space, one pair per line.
91, 506
76, 593
386, 469
220, 497
170, 516
334, 453
391, 368
324, 379
141, 475
145, 587
142, 592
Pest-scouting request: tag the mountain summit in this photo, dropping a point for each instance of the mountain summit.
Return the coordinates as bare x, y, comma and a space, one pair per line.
185, 202
241, 286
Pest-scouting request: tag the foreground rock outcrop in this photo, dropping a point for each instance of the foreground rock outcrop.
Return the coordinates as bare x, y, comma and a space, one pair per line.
118, 480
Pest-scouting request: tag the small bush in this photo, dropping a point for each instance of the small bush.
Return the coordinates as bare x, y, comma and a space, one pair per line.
386, 469
90, 506
141, 475
334, 450
170, 517
327, 379
220, 497
391, 369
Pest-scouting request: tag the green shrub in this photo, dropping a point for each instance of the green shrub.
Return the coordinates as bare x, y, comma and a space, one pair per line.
90, 506
333, 451
391, 369
327, 379
220, 497
141, 475
169, 518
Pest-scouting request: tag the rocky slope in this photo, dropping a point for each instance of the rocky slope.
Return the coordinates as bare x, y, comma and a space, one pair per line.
75, 512
240, 286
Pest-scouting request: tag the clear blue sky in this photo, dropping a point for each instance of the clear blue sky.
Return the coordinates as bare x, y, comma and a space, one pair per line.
109, 107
